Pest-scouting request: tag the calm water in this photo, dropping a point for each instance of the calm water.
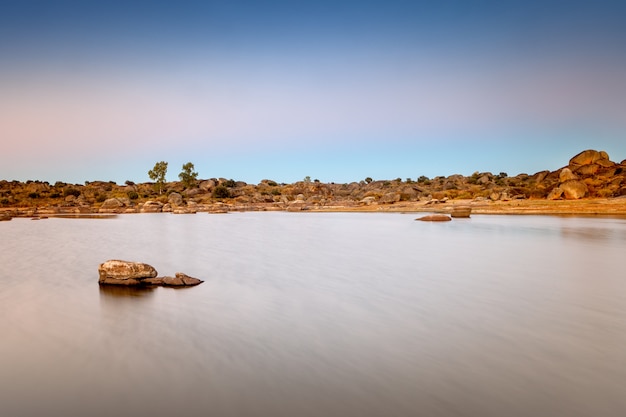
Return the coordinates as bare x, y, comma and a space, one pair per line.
316, 315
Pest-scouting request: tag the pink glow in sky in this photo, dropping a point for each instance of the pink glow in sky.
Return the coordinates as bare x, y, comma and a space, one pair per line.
383, 97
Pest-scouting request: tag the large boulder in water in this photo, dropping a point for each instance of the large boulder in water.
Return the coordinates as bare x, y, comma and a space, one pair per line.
124, 273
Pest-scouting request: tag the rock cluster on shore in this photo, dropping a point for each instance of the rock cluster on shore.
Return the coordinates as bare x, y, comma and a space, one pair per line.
116, 272
590, 174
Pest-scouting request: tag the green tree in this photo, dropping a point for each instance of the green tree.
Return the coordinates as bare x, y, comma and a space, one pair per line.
157, 174
188, 176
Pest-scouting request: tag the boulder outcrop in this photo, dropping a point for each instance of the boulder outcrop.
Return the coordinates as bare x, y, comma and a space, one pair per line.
573, 189
117, 272
589, 157
113, 205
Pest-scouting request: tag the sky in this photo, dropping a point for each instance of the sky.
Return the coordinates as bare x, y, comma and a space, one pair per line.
333, 90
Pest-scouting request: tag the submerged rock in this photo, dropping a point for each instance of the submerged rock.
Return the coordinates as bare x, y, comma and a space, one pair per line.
180, 280
435, 218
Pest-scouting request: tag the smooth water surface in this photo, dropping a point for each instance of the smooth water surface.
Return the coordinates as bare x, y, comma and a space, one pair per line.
316, 315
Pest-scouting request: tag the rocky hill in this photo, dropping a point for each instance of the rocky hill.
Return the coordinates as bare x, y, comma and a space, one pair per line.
589, 175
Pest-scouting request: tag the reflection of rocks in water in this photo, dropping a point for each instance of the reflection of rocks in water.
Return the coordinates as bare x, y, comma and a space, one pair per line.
116, 291
593, 233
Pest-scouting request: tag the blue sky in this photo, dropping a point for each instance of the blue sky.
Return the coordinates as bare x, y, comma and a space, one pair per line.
337, 91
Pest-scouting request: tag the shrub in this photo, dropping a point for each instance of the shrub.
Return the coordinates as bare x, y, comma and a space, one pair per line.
33, 195
133, 195
4, 201
55, 195
71, 191
230, 183
221, 192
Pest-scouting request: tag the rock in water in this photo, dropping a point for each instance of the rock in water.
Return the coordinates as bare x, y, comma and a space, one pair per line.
435, 218
461, 212
181, 280
124, 272
115, 272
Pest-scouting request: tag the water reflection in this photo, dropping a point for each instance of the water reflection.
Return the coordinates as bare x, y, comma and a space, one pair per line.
593, 233
123, 291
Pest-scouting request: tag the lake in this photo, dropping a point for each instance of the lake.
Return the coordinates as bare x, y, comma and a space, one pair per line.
316, 314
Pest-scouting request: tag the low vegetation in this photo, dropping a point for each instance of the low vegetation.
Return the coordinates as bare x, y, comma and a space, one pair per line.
593, 177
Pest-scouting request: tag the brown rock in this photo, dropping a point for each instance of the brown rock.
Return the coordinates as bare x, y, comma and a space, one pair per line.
461, 212
153, 281
588, 157
566, 174
112, 205
116, 271
574, 189
606, 163
555, 194
590, 169
151, 207
114, 281
175, 199
189, 281
435, 218
181, 280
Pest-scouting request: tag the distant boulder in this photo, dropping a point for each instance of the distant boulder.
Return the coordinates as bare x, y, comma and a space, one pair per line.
573, 190
587, 170
589, 157
175, 199
566, 174
112, 205
151, 207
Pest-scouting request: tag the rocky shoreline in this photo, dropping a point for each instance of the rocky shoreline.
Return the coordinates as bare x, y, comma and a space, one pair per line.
589, 184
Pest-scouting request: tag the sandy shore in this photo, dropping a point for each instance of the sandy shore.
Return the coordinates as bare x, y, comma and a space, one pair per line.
607, 207
596, 206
